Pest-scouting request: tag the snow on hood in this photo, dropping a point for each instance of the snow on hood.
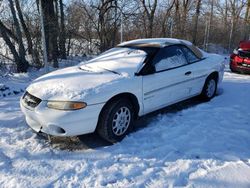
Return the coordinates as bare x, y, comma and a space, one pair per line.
76, 82
71, 83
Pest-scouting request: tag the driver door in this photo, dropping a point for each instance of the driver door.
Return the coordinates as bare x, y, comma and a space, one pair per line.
167, 84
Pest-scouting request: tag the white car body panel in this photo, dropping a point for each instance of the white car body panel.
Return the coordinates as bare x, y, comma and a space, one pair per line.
93, 84
74, 122
164, 85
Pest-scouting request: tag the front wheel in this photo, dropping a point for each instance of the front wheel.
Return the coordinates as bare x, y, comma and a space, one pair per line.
116, 120
210, 88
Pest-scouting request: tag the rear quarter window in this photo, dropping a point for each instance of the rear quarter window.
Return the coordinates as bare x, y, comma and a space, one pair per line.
191, 57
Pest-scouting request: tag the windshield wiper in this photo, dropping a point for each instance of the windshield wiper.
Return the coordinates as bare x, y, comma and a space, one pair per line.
87, 70
111, 71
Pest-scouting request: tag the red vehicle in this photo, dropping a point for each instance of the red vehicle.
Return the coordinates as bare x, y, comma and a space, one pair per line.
240, 59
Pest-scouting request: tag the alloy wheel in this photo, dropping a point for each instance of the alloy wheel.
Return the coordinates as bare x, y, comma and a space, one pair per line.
121, 121
211, 87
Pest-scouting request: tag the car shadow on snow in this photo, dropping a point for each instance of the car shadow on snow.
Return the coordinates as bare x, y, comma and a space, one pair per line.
83, 142
175, 108
93, 140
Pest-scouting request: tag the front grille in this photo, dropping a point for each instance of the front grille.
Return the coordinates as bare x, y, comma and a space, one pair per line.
30, 100
244, 54
244, 65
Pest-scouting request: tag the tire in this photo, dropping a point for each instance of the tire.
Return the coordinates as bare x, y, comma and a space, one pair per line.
209, 88
116, 120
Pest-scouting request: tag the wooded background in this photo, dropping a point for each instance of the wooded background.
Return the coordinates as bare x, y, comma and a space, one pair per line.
79, 27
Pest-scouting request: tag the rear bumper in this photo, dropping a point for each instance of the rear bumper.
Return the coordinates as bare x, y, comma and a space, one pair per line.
62, 123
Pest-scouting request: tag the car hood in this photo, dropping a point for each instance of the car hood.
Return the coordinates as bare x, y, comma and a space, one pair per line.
73, 83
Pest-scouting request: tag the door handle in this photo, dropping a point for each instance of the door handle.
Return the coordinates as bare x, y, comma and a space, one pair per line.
188, 73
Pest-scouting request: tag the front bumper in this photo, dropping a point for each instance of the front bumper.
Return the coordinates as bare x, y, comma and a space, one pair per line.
238, 68
62, 123
240, 65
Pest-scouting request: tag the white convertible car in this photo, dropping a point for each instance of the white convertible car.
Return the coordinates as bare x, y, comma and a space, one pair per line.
108, 92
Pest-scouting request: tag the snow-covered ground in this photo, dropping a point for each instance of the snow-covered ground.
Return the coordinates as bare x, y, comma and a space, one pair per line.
191, 144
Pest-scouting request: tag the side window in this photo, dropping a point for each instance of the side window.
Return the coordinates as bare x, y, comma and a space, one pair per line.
191, 57
168, 58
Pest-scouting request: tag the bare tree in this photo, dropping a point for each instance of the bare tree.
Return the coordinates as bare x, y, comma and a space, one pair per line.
167, 17
22, 64
236, 9
149, 10
247, 21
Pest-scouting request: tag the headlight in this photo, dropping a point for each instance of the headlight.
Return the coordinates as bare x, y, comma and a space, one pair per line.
66, 105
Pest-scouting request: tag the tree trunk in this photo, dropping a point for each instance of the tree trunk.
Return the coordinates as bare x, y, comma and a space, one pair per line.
69, 44
51, 33
177, 19
196, 18
151, 18
231, 35
31, 51
10, 33
210, 22
184, 18
62, 35
25, 29
226, 14
22, 58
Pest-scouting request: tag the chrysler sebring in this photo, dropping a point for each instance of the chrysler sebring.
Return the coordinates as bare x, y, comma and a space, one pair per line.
107, 93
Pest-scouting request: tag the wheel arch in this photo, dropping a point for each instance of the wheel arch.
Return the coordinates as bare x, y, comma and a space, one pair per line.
214, 74
126, 95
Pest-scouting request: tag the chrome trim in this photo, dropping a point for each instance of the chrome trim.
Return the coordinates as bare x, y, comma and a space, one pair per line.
171, 85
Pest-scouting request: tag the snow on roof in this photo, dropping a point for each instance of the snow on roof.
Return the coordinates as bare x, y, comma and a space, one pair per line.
155, 42
160, 43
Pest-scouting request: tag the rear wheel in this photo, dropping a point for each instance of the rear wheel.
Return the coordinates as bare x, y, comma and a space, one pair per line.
116, 120
210, 88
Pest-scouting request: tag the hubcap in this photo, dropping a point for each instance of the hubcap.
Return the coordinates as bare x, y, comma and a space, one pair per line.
121, 121
211, 86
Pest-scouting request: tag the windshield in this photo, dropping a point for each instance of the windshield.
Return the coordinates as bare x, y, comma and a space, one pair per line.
119, 59
118, 52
